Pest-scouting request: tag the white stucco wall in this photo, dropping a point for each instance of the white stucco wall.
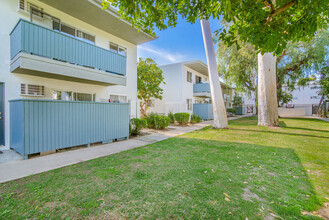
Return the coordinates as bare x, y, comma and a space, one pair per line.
302, 95
176, 89
9, 16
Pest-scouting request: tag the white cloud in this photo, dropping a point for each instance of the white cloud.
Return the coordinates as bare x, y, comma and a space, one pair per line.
160, 55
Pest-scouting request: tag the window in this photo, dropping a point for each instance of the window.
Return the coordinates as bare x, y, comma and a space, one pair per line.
189, 76
118, 49
61, 95
315, 97
189, 104
315, 87
294, 98
198, 79
72, 31
32, 90
85, 37
118, 98
68, 30
27, 6
73, 96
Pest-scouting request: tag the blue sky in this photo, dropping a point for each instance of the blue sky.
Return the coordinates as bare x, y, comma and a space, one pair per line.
181, 43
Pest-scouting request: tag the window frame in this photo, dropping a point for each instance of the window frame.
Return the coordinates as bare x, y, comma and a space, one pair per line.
118, 48
189, 104
75, 32
189, 76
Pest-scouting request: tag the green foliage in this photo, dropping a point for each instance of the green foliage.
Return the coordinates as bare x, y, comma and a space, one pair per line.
324, 81
195, 119
136, 125
156, 121
150, 120
231, 110
149, 79
182, 118
237, 101
267, 25
161, 122
172, 117
299, 62
238, 66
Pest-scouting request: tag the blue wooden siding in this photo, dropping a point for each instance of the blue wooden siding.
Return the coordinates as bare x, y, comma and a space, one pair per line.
201, 87
34, 39
204, 110
44, 125
240, 110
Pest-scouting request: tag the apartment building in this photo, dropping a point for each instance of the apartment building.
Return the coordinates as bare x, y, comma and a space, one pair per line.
70, 56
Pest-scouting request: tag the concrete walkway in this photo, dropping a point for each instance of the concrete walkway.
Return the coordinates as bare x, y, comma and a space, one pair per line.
22, 168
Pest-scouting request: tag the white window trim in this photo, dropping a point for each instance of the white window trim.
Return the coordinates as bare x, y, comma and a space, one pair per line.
118, 48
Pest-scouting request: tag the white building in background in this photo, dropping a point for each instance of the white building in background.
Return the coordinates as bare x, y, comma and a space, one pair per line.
249, 102
305, 101
186, 84
66, 50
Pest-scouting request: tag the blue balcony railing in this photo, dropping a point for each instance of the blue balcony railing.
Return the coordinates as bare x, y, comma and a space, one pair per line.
34, 39
201, 87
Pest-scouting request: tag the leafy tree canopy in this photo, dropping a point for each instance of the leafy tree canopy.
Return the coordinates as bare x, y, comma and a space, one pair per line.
238, 67
298, 64
149, 79
266, 24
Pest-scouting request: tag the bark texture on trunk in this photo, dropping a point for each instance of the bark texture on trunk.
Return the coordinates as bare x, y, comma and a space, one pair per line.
220, 118
267, 94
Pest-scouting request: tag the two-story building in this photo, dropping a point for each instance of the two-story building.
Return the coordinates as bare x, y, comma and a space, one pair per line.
70, 53
187, 89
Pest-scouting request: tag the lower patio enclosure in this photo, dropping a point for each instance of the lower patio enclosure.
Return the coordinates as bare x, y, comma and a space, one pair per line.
46, 125
204, 110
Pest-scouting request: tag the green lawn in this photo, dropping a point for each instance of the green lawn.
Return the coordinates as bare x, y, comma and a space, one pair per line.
246, 171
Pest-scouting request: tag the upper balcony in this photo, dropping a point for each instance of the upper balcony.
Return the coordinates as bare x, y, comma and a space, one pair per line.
39, 51
202, 90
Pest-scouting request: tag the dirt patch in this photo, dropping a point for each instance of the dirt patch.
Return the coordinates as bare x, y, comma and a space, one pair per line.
250, 196
322, 212
108, 215
53, 205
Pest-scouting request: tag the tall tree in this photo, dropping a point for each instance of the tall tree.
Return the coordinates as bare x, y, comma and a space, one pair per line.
219, 109
268, 25
301, 60
149, 79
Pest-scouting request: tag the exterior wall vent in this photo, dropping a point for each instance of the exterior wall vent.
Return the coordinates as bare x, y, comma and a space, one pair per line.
32, 90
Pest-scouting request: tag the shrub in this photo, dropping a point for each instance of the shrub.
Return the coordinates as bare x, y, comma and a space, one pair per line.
150, 120
161, 122
195, 119
157, 121
182, 118
136, 125
231, 110
172, 117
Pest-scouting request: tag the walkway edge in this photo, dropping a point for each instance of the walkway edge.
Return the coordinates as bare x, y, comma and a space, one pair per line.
23, 168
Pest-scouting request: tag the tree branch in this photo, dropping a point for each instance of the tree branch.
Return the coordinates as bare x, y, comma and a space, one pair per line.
282, 55
279, 10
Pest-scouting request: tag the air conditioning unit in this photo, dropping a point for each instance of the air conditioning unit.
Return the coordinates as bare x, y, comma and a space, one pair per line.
32, 90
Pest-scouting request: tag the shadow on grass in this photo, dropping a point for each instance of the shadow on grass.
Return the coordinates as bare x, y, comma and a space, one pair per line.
282, 133
307, 129
172, 179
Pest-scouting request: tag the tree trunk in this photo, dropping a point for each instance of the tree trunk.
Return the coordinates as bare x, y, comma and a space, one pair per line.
220, 118
267, 95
